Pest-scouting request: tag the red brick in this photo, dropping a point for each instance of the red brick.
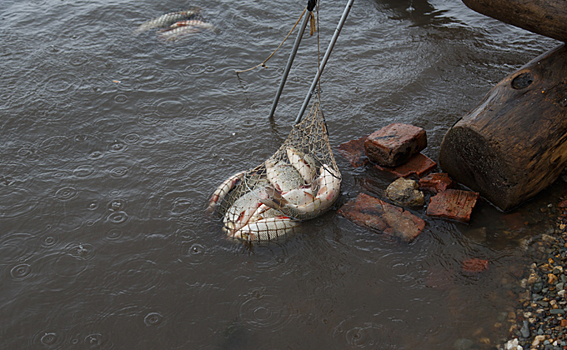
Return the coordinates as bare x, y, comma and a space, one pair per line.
418, 165
453, 204
436, 182
474, 265
354, 152
395, 144
371, 212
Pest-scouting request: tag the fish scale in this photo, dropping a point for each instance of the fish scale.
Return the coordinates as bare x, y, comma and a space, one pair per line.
168, 19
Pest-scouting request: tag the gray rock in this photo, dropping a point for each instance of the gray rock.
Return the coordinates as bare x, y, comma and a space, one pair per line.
463, 344
405, 192
525, 330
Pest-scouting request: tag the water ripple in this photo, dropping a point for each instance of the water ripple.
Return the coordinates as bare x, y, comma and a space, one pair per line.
169, 108
135, 276
55, 145
15, 202
108, 124
15, 247
195, 253
48, 339
263, 311
66, 193
117, 217
61, 82
78, 60
177, 202
20, 271
131, 138
120, 98
84, 171
154, 319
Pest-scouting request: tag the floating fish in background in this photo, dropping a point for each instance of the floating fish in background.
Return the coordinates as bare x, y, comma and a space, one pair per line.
170, 18
183, 28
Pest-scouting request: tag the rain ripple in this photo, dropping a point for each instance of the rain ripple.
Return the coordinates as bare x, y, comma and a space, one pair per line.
66, 193
154, 319
194, 252
177, 202
135, 276
48, 339
61, 82
262, 311
15, 247
15, 202
20, 271
83, 170
55, 145
108, 124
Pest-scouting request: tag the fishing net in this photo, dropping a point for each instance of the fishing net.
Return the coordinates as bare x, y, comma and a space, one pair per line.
298, 182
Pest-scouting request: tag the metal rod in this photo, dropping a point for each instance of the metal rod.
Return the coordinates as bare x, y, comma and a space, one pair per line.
325, 59
289, 63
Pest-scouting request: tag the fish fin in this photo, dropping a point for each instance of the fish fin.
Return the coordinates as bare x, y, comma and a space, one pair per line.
272, 203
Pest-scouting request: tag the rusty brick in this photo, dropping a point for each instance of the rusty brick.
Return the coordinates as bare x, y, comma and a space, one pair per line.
453, 204
418, 165
354, 152
475, 265
436, 182
371, 212
395, 144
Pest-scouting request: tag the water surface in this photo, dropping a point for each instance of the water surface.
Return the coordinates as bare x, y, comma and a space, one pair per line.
113, 142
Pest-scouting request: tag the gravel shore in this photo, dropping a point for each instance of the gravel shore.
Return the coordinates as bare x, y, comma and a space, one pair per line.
541, 317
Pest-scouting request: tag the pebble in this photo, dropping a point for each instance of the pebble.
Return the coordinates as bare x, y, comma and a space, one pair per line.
541, 314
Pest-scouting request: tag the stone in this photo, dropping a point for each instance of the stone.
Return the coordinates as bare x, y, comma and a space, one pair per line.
525, 330
551, 278
537, 340
474, 265
453, 204
395, 144
463, 344
436, 182
418, 165
563, 323
354, 152
376, 214
405, 192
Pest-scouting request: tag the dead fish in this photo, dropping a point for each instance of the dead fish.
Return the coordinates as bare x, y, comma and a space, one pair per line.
283, 176
168, 19
178, 30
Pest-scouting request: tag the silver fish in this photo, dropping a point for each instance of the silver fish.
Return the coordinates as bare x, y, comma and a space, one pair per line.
183, 28
168, 19
283, 176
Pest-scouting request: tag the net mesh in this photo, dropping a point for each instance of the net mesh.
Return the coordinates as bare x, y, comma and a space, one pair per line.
298, 182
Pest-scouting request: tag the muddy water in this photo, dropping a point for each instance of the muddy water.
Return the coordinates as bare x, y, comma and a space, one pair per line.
112, 143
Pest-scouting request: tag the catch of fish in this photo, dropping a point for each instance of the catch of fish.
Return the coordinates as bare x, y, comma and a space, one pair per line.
291, 190
174, 25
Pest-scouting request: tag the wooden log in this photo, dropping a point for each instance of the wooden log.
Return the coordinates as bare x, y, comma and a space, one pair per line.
514, 143
545, 17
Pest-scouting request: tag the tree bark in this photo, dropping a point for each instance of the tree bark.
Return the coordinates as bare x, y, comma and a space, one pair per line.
514, 143
545, 17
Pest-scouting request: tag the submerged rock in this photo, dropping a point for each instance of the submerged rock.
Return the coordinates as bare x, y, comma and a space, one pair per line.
405, 192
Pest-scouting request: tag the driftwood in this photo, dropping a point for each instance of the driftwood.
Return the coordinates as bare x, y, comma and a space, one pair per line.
514, 144
545, 17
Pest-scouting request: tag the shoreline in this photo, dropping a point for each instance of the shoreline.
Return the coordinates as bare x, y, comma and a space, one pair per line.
541, 313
